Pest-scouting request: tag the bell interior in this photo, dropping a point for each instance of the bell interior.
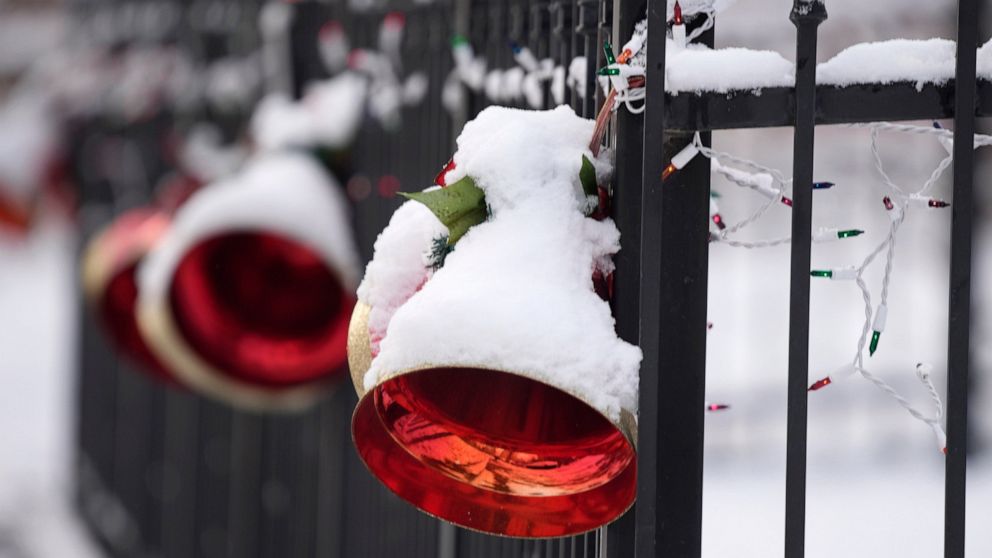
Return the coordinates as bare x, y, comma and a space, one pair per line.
262, 308
117, 314
496, 452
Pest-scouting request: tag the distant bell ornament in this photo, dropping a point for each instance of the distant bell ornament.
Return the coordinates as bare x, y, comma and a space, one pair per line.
248, 298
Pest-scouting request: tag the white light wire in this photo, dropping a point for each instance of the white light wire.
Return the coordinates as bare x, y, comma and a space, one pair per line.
901, 198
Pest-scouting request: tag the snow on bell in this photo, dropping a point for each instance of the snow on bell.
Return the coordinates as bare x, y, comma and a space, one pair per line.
494, 391
248, 297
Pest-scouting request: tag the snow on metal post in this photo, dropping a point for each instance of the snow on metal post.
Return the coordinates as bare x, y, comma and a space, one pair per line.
959, 303
807, 15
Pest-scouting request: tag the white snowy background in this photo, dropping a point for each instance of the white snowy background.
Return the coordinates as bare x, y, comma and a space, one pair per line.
875, 477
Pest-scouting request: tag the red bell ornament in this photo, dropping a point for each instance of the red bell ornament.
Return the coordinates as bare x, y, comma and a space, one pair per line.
109, 276
248, 298
494, 392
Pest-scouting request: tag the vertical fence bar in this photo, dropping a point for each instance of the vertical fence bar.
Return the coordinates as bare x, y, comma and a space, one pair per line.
596, 57
626, 212
806, 16
674, 257
562, 12
959, 300
587, 28
646, 511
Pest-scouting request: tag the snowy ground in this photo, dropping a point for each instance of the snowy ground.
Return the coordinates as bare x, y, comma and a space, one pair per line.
37, 402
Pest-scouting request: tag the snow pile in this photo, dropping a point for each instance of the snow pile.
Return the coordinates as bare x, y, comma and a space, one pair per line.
700, 68
985, 61
400, 267
328, 115
28, 139
286, 193
920, 62
516, 293
204, 155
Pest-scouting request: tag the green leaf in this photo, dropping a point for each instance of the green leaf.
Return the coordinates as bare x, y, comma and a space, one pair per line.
459, 207
587, 174
458, 228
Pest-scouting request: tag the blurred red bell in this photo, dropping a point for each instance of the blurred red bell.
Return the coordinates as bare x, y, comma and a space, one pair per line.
109, 269
248, 299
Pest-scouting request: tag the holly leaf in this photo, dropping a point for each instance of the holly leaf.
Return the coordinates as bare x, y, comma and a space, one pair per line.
587, 175
459, 207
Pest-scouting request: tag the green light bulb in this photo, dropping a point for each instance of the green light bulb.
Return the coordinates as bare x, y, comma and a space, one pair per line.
849, 233
821, 273
608, 51
873, 346
609, 71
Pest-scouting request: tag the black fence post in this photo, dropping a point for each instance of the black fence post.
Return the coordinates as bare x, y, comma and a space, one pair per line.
807, 16
673, 259
626, 205
959, 300
587, 28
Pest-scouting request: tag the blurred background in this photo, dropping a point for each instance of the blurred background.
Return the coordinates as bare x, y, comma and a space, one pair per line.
96, 458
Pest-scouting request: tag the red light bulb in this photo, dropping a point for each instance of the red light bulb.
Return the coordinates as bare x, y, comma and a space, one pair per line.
820, 384
356, 58
330, 29
394, 19
718, 219
677, 14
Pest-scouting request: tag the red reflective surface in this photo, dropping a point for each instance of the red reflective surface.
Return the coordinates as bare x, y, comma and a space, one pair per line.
117, 313
496, 452
264, 309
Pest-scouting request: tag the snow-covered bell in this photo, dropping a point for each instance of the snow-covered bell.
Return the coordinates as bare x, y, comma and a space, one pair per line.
493, 390
248, 297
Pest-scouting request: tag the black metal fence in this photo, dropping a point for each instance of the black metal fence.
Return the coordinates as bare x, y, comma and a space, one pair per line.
166, 473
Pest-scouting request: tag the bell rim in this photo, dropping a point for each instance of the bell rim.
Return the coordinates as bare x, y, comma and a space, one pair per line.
98, 267
359, 346
162, 336
365, 405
